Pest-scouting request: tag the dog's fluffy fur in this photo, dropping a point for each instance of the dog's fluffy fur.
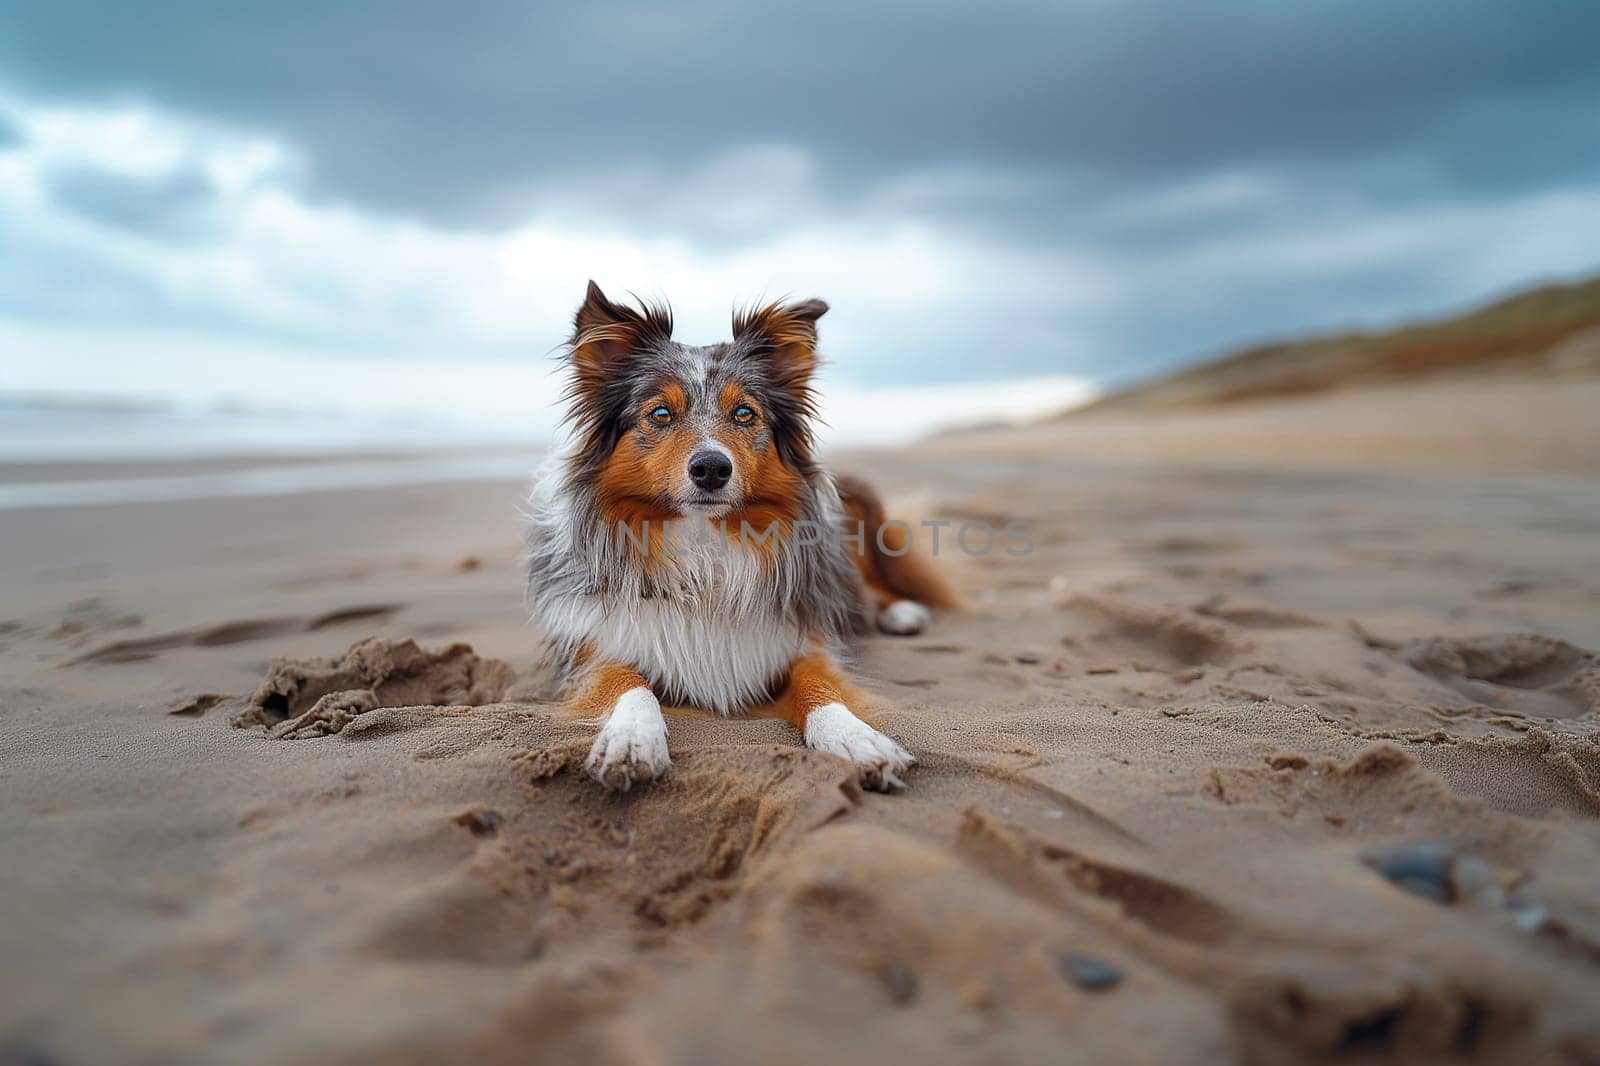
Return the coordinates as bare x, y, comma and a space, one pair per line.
687, 546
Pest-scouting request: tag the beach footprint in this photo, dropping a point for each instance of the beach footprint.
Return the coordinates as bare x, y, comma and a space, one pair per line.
224, 634
1168, 639
1528, 673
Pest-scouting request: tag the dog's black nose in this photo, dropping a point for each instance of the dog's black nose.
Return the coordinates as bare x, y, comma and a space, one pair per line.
710, 470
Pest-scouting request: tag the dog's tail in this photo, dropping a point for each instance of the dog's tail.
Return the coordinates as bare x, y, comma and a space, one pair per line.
890, 566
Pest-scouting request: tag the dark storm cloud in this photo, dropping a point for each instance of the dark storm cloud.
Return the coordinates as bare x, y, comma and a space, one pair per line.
468, 113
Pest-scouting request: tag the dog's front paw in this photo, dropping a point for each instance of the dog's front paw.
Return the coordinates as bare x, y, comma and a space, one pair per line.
632, 745
904, 618
878, 760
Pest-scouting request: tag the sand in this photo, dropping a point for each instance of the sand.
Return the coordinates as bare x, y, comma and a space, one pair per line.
1268, 760
1476, 422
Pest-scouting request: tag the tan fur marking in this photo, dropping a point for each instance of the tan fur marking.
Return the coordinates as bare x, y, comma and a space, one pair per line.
774, 501
601, 686
772, 489
673, 396
814, 681
629, 489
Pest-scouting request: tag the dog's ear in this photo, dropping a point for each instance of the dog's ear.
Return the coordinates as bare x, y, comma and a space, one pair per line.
787, 333
606, 336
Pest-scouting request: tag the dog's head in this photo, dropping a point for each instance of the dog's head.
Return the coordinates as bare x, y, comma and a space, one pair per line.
668, 430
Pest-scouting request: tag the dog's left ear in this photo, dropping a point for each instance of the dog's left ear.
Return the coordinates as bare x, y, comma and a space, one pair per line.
788, 332
606, 335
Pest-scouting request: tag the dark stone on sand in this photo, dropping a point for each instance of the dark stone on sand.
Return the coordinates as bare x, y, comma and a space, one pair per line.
479, 821
1086, 971
901, 982
1421, 867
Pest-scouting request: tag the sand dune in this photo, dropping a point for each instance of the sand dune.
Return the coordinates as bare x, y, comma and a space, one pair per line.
1271, 762
1502, 424
1552, 331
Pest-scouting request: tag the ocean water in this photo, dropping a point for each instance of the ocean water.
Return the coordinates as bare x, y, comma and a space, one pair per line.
52, 430
266, 477
56, 454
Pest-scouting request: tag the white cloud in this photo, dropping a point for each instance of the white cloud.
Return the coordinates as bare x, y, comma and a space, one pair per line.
279, 263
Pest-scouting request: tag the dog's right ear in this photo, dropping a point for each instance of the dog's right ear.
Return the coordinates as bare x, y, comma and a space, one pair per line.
606, 336
786, 334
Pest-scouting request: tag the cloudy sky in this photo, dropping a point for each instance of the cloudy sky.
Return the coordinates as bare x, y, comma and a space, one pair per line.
210, 200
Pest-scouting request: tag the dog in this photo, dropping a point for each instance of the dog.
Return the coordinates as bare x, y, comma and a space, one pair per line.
687, 546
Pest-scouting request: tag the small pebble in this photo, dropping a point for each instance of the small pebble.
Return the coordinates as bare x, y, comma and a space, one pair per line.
1028, 657
1421, 867
1088, 972
1528, 915
479, 821
901, 982
1437, 870
619, 835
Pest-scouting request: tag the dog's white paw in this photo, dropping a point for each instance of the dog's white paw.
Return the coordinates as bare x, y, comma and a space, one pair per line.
878, 760
904, 618
632, 745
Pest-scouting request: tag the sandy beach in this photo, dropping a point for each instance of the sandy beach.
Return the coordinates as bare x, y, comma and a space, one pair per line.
1279, 745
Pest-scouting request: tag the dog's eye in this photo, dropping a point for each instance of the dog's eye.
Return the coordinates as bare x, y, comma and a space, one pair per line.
661, 415
744, 414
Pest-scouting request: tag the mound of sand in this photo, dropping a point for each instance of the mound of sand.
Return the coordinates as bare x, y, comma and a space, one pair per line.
316, 697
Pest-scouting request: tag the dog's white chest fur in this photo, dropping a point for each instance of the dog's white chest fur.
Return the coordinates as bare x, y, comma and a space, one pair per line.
697, 657
712, 635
